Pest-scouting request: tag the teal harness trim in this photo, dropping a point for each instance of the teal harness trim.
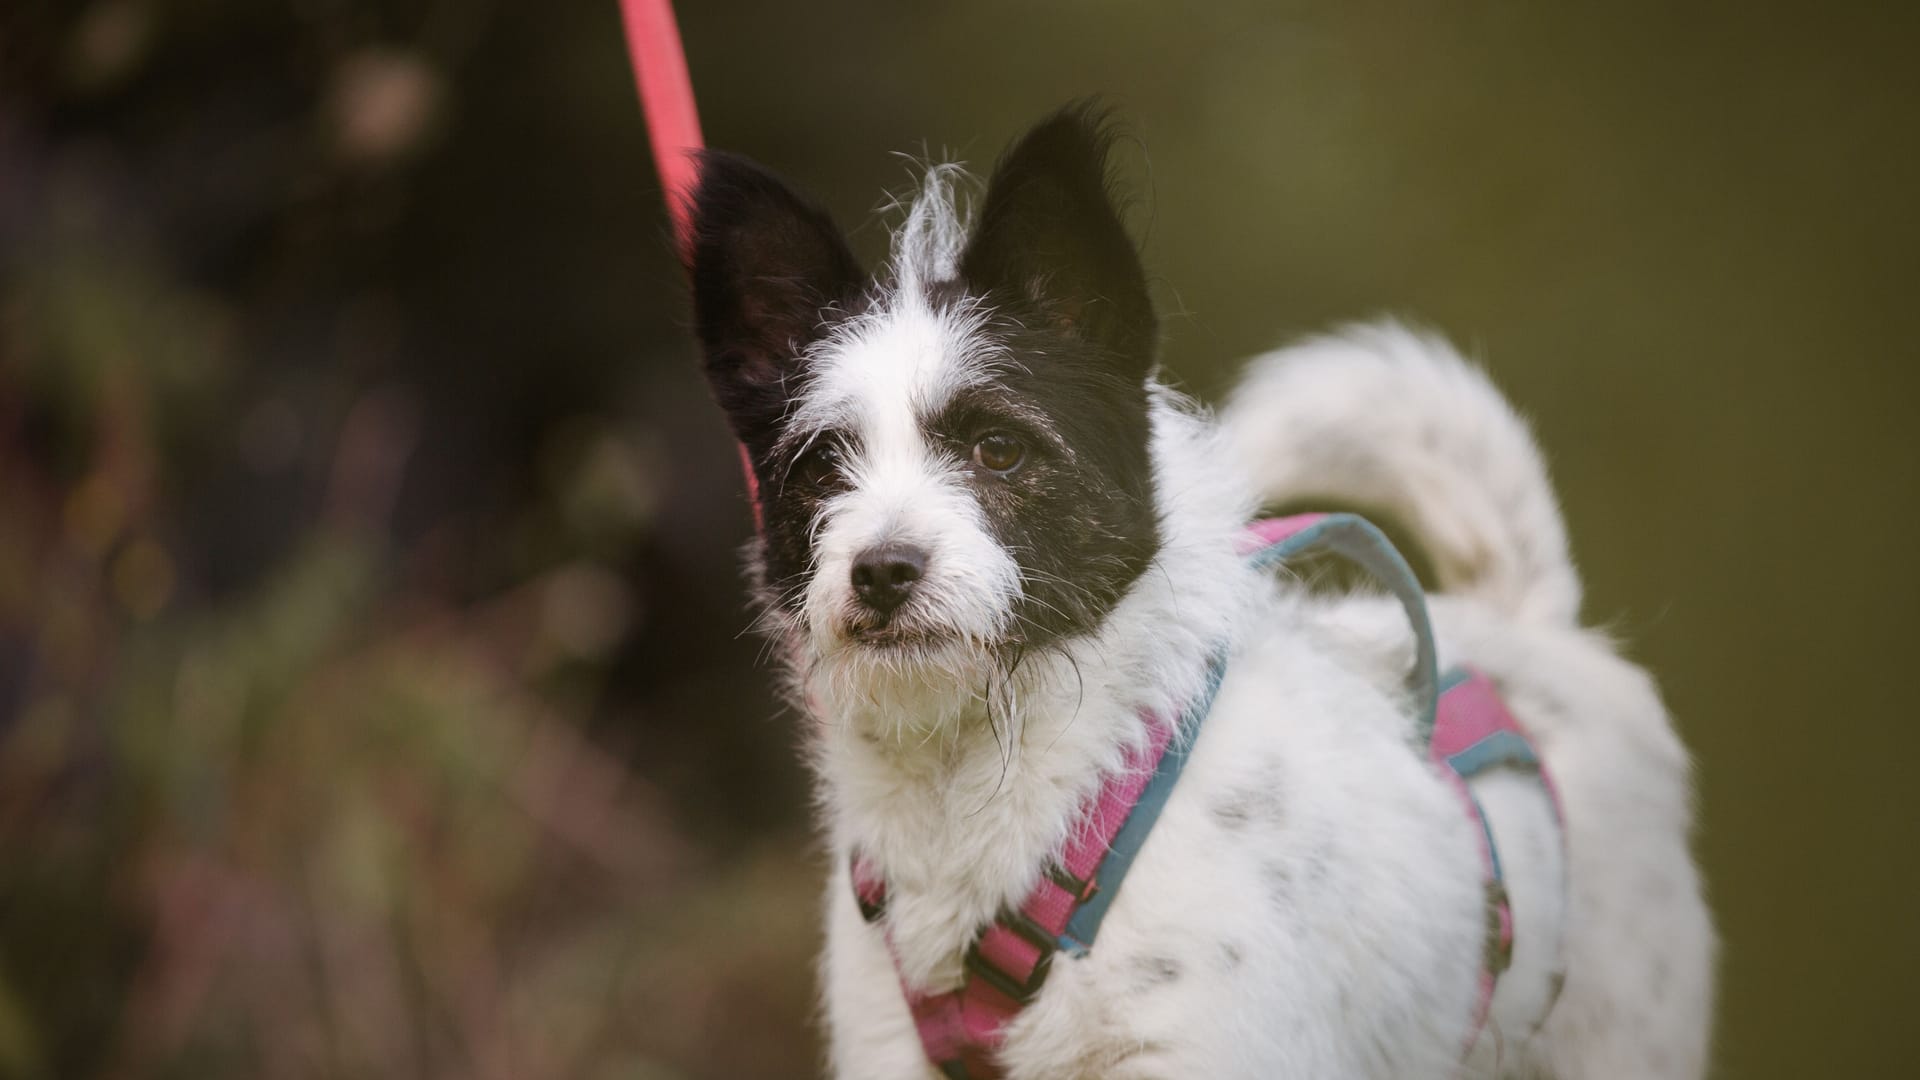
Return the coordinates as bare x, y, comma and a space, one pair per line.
1499, 748
1359, 540
1085, 923
1347, 535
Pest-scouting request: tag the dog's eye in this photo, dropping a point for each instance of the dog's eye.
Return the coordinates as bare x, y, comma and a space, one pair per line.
999, 452
820, 467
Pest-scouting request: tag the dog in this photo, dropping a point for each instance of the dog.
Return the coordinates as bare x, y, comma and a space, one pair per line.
994, 545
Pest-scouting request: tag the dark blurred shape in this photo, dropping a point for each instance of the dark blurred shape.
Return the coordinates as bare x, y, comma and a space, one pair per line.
380, 105
112, 37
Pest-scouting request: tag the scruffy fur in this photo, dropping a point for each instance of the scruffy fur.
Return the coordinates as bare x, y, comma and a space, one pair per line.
1310, 903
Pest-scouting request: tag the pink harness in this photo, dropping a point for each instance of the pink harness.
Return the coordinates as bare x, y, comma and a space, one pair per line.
1467, 730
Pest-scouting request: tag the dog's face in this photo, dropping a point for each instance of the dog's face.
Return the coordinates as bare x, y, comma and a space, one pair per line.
953, 456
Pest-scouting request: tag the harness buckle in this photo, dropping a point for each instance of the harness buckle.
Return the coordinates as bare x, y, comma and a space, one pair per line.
1019, 922
1021, 992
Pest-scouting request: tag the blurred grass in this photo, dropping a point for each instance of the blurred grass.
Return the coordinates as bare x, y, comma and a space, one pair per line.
372, 693
330, 825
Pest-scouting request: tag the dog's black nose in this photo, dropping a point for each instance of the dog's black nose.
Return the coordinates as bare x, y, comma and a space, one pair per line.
885, 575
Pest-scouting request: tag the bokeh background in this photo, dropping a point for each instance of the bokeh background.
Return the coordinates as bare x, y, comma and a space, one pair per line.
373, 693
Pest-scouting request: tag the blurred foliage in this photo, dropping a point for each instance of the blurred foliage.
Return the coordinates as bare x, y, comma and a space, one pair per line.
373, 696
330, 822
311, 762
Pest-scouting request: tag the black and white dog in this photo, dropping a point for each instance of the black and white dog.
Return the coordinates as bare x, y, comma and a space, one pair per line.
993, 542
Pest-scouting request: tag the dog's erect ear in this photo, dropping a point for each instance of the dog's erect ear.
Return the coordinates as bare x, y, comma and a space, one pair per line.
765, 263
1049, 235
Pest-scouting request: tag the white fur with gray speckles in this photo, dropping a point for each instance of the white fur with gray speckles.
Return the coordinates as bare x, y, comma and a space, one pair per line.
1309, 903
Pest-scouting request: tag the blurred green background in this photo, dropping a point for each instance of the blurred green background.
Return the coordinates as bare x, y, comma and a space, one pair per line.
373, 700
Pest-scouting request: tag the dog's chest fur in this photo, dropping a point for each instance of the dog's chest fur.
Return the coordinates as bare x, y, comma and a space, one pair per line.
1270, 887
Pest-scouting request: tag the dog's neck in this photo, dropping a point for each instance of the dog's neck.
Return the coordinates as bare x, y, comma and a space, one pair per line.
960, 786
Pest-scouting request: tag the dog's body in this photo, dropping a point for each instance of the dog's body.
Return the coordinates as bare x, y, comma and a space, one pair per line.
1019, 546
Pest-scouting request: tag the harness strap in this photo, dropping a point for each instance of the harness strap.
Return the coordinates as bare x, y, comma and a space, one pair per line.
1009, 962
1272, 541
1466, 730
1476, 734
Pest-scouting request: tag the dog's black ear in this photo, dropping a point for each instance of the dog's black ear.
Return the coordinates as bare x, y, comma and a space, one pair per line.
765, 264
1050, 236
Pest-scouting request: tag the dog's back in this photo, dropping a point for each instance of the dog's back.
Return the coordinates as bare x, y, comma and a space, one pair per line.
1383, 417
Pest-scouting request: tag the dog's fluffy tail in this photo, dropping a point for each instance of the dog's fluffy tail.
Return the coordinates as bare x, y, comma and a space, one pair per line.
1382, 417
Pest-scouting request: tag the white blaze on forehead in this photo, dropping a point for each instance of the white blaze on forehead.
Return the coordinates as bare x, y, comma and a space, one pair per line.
887, 371
905, 356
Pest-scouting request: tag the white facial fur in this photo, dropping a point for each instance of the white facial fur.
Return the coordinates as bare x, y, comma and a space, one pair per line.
877, 379
873, 383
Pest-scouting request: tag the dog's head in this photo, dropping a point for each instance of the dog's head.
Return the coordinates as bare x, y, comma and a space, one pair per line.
952, 454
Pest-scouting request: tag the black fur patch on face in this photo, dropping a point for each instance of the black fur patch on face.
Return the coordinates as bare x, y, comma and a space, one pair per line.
1077, 515
794, 486
1052, 261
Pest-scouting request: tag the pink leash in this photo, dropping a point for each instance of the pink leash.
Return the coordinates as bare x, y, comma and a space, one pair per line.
673, 127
